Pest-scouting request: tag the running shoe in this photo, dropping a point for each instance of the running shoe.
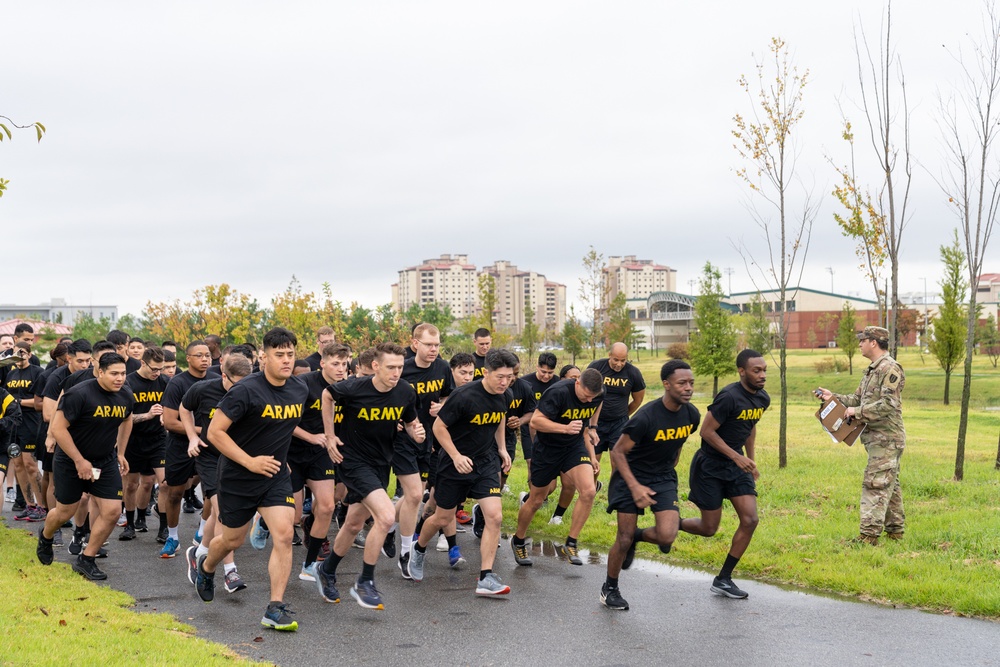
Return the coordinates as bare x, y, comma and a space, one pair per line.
44, 549
192, 564
612, 598
327, 585
122, 521
57, 539
259, 535
23, 514
88, 568
571, 554
522, 552
196, 540
296, 537
188, 507
404, 565
598, 486
18, 507
233, 581
11, 495
522, 498
555, 520
279, 617
324, 551
455, 557
140, 524
506, 489
196, 502
128, 533
478, 521
463, 517
162, 534
308, 572
366, 595
37, 514
491, 585
360, 539
169, 549
307, 505
442, 543
75, 546
725, 586
389, 545
204, 582
416, 565
630, 555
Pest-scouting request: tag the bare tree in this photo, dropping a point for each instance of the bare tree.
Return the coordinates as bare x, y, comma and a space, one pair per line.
969, 122
593, 292
881, 80
764, 142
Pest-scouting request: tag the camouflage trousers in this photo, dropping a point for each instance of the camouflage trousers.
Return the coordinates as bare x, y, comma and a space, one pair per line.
881, 498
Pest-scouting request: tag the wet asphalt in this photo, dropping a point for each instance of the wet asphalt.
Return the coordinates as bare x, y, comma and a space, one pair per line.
553, 616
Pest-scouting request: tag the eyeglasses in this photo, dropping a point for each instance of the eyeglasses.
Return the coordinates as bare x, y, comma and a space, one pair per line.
153, 369
199, 356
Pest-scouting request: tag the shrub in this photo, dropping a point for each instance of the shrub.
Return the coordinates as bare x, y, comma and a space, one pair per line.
678, 351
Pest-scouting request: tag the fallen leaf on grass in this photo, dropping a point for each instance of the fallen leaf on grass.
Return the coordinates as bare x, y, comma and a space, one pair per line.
62, 622
944, 546
808, 560
43, 610
258, 639
806, 537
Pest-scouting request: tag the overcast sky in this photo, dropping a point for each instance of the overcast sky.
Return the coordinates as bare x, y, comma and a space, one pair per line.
199, 143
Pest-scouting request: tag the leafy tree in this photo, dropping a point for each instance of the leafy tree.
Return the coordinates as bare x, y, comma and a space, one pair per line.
619, 325
487, 299
764, 141
574, 335
713, 345
298, 312
757, 327
947, 342
86, 326
847, 335
906, 322
531, 334
593, 290
988, 339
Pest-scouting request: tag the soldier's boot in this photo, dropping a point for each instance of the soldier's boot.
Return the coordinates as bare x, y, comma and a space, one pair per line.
894, 536
866, 539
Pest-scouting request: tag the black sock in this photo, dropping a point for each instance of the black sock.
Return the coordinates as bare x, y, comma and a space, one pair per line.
637, 535
519, 541
330, 564
367, 572
727, 568
416, 545
612, 582
451, 540
313, 545
665, 548
483, 573
420, 525
140, 511
571, 541
560, 510
86, 524
87, 558
130, 518
163, 519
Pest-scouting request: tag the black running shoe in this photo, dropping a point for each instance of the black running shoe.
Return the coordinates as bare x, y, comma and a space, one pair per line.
278, 616
478, 521
192, 564
188, 507
296, 537
75, 546
128, 533
88, 568
389, 545
140, 524
612, 598
196, 502
404, 566
162, 534
629, 556
44, 549
204, 582
728, 588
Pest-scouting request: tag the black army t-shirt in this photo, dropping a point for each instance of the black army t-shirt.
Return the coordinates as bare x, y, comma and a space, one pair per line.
264, 416
201, 400
658, 434
53, 385
312, 407
172, 397
431, 385
368, 429
480, 364
472, 416
737, 411
561, 405
314, 360
618, 388
132, 365
521, 401
94, 415
22, 384
148, 434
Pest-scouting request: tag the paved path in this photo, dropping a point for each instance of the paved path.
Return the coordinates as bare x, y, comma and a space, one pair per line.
552, 617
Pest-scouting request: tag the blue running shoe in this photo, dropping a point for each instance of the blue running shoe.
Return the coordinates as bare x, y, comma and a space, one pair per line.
259, 535
455, 557
367, 595
169, 549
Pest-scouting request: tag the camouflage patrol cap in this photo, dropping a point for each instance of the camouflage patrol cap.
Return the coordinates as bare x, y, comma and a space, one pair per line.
875, 333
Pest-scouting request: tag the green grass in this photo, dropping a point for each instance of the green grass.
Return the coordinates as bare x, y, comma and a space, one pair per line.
950, 556
51, 615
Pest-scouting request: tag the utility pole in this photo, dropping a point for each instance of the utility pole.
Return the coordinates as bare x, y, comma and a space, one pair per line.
923, 337
691, 285
729, 273
830, 269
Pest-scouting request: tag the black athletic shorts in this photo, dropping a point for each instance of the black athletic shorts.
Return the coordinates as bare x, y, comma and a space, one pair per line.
608, 433
236, 510
454, 487
48, 460
713, 479
180, 467
207, 466
550, 462
69, 488
528, 446
362, 478
620, 498
309, 463
27, 441
145, 462
410, 458
4, 462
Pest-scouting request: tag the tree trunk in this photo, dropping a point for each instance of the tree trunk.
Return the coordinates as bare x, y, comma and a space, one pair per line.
715, 387
997, 464
963, 419
947, 385
783, 415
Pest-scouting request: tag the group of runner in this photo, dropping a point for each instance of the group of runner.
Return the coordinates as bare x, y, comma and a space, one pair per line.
258, 429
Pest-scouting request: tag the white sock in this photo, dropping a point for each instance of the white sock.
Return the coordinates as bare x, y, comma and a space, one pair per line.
172, 533
406, 542
394, 528
201, 527
201, 551
230, 567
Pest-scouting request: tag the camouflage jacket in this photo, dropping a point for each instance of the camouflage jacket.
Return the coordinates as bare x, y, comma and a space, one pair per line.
879, 401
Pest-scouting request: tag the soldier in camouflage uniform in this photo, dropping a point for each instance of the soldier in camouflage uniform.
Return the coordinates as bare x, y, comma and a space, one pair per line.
878, 401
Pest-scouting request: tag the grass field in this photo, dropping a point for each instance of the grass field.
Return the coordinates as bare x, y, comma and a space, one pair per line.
54, 616
950, 558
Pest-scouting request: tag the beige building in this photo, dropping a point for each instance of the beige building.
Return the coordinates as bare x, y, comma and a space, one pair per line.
637, 278
446, 280
518, 291
555, 306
